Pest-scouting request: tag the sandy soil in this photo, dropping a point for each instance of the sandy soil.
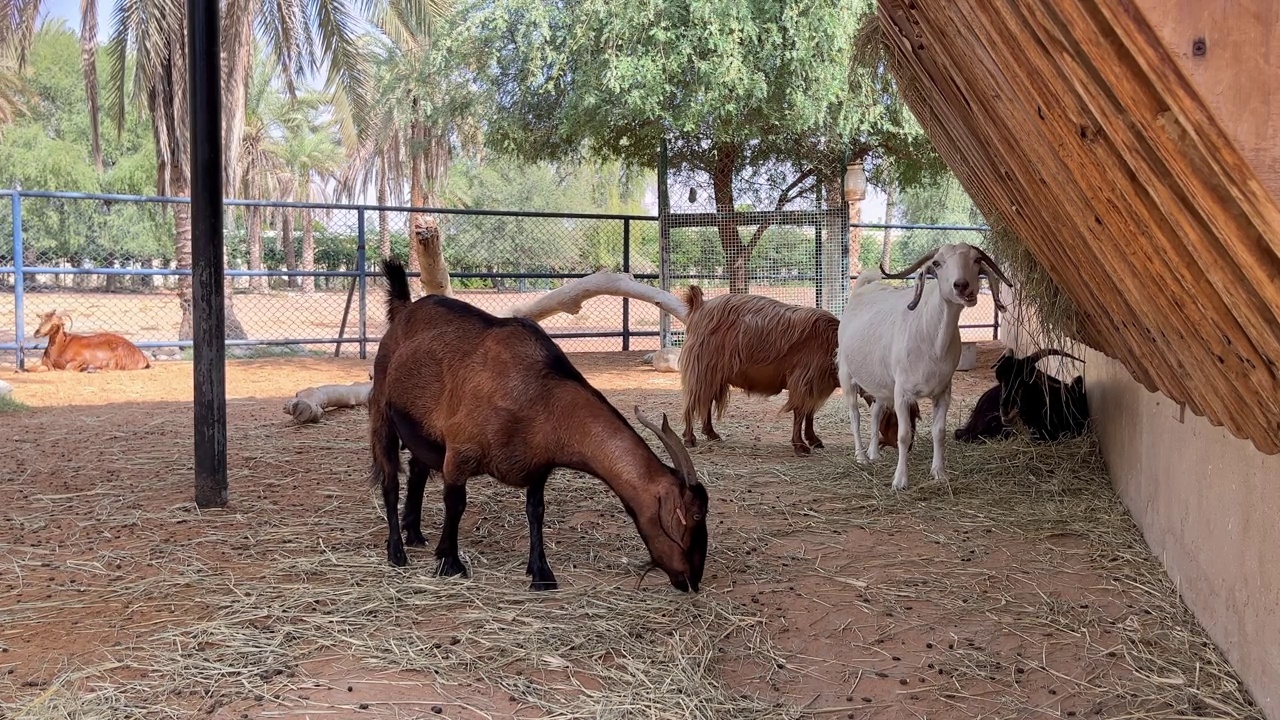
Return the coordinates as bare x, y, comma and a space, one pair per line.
285, 315
872, 605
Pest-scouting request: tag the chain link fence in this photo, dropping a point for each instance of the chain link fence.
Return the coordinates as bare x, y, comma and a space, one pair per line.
304, 278
789, 231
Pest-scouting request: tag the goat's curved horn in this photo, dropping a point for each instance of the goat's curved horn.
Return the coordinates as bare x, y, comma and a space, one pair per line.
992, 266
680, 457
1039, 355
915, 300
884, 271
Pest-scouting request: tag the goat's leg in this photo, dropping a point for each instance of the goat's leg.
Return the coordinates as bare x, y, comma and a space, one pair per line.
902, 406
940, 406
538, 568
411, 520
708, 431
455, 504
386, 472
877, 411
851, 392
797, 441
810, 436
689, 413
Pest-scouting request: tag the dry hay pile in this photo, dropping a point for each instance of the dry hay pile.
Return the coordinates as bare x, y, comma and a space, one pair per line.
229, 608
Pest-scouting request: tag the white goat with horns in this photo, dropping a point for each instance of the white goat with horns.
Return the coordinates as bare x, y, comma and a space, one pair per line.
899, 348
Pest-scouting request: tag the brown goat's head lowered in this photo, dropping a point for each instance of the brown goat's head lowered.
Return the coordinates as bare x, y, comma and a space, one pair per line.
678, 542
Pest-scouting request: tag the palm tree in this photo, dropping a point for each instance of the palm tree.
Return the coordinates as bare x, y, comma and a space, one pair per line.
314, 155
299, 38
264, 172
425, 100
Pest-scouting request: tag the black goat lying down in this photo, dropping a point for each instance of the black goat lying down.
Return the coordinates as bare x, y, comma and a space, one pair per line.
985, 421
1051, 409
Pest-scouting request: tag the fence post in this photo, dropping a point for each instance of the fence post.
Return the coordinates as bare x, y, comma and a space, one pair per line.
361, 261
819, 269
664, 244
626, 268
995, 317
18, 281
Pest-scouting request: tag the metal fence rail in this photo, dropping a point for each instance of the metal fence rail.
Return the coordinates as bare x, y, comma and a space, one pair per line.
303, 275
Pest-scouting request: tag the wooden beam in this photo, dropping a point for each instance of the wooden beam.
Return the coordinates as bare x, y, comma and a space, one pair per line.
1069, 123
204, 85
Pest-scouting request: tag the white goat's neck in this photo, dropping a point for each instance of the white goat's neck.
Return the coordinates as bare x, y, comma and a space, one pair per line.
940, 326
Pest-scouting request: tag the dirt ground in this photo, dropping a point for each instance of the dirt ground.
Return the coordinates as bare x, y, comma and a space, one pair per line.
1018, 589
146, 317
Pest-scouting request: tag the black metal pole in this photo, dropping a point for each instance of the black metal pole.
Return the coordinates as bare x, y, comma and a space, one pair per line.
204, 87
626, 268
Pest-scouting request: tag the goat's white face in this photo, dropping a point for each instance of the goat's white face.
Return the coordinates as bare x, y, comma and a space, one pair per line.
957, 268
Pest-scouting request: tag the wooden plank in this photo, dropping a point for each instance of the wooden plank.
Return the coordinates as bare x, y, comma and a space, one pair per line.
204, 85
1149, 209
1190, 303
1029, 173
1212, 293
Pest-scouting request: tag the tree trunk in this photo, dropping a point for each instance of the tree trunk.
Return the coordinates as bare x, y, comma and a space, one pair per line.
182, 251
237, 61
833, 275
286, 243
428, 241
890, 206
308, 251
855, 237
384, 217
737, 259
253, 218
417, 194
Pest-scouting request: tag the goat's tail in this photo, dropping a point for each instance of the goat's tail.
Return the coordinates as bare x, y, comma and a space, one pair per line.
398, 297
868, 277
692, 299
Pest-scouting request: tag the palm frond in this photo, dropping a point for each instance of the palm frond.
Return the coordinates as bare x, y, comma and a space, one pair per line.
89, 67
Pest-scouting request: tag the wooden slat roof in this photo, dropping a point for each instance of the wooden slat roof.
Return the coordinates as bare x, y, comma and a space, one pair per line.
1070, 123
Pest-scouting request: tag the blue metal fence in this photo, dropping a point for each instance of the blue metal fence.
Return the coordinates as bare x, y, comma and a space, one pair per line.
109, 262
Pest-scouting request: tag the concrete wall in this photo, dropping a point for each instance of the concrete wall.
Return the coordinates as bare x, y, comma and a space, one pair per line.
1209, 507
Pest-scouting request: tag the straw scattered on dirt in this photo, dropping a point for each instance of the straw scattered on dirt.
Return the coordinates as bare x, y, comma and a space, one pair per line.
1019, 588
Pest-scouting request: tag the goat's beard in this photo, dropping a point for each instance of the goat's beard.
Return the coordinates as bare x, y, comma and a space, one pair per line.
649, 566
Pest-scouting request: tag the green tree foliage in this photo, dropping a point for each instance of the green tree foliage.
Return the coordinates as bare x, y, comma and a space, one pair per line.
50, 148
767, 98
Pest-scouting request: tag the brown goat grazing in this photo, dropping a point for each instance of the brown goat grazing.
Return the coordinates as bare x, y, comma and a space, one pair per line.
763, 346
472, 394
99, 351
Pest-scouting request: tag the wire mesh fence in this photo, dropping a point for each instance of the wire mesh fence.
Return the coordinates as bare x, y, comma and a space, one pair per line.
304, 278
787, 229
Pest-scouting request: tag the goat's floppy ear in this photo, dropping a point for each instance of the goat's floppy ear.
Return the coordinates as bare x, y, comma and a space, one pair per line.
680, 457
671, 516
915, 300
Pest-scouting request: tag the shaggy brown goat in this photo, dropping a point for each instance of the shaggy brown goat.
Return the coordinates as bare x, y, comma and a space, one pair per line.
763, 346
472, 394
100, 351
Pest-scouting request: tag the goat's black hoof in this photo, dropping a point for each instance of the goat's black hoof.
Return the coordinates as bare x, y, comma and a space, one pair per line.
690, 442
395, 553
413, 538
542, 585
451, 567
816, 444
801, 449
